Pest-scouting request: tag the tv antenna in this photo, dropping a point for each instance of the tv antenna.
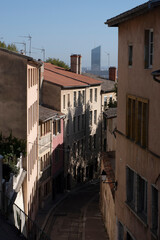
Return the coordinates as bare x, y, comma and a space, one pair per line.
24, 44
29, 38
42, 50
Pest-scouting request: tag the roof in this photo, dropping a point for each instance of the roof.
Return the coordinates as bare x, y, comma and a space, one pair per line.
106, 84
66, 78
30, 59
111, 113
137, 11
47, 114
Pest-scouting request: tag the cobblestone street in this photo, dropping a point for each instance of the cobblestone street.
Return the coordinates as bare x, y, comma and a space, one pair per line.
78, 216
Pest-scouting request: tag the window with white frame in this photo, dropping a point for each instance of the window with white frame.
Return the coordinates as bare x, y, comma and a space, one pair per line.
91, 95
95, 116
83, 96
74, 99
95, 94
79, 98
148, 48
69, 100
64, 101
90, 118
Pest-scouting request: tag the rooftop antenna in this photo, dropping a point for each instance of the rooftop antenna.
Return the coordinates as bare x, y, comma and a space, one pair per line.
42, 50
24, 44
29, 38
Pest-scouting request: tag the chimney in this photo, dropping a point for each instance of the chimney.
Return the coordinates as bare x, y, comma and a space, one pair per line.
76, 63
112, 73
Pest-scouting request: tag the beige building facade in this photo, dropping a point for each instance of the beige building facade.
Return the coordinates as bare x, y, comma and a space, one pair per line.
78, 97
137, 199
19, 100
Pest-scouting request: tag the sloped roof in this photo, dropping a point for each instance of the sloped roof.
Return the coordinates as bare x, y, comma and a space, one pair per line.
65, 78
106, 85
47, 113
137, 11
111, 113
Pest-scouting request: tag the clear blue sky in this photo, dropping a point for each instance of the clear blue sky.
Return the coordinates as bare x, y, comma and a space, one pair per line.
64, 27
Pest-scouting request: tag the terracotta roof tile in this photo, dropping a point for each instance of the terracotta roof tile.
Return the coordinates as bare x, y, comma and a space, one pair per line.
65, 78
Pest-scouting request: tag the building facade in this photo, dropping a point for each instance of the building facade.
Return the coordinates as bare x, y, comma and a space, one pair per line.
78, 97
137, 199
50, 168
19, 101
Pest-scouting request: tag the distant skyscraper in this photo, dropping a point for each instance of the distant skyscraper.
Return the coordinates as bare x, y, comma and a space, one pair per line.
96, 59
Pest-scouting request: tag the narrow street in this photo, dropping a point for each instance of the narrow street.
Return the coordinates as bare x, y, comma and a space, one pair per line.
78, 216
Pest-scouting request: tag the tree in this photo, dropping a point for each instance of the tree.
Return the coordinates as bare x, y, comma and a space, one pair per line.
112, 103
11, 47
11, 148
58, 63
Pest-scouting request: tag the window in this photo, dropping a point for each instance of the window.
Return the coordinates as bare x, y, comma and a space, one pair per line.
95, 116
95, 94
91, 95
105, 145
94, 143
67, 126
64, 102
105, 123
59, 126
83, 121
148, 48
137, 120
79, 98
105, 101
90, 142
82, 147
136, 193
74, 101
78, 147
54, 128
120, 231
74, 124
130, 55
83, 96
68, 100
154, 210
74, 150
90, 118
79, 123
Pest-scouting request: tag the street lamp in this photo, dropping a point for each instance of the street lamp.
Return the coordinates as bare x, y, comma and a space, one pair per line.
104, 177
156, 74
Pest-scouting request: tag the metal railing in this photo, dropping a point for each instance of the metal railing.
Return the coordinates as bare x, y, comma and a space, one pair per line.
16, 216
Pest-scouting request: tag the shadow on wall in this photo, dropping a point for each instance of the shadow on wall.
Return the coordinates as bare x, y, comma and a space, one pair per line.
82, 145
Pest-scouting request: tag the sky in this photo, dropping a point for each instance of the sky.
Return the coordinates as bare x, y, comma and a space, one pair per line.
64, 27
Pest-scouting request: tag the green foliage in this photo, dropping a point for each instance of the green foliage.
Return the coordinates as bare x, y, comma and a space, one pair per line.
57, 62
11, 148
11, 47
112, 103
